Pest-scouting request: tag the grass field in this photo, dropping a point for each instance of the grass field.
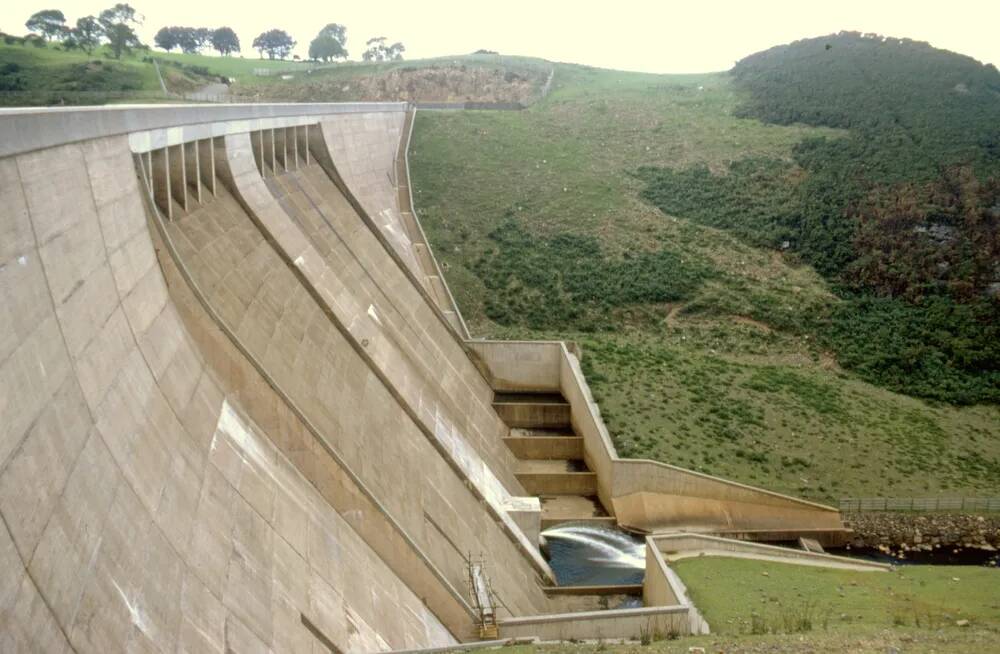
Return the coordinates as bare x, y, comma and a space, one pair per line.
740, 596
755, 606
714, 375
860, 640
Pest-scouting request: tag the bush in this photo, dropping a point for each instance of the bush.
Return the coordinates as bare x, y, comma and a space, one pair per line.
566, 281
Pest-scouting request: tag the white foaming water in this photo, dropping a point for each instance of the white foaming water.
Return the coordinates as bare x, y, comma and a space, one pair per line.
609, 546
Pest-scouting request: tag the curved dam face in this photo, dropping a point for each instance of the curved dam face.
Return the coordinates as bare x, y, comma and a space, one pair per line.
240, 411
218, 428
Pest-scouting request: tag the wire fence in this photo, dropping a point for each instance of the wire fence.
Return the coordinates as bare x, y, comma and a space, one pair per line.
964, 504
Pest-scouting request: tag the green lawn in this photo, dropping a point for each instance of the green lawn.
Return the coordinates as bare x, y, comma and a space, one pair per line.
754, 606
739, 596
857, 640
536, 219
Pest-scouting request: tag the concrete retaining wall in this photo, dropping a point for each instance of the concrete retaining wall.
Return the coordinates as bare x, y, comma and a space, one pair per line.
682, 545
623, 624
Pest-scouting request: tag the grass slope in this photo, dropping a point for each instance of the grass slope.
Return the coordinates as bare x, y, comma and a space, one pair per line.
44, 76
32, 75
716, 373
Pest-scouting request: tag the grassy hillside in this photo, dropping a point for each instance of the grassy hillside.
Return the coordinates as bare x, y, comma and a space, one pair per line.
700, 343
903, 214
31, 75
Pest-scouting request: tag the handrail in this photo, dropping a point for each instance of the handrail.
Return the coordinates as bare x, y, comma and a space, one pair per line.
464, 332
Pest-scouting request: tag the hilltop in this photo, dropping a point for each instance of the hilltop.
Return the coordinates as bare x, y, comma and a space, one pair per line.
39, 73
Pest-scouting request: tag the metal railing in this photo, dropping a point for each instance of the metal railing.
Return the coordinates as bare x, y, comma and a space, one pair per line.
964, 504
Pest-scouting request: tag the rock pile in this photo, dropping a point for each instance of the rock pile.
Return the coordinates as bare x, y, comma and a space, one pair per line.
925, 531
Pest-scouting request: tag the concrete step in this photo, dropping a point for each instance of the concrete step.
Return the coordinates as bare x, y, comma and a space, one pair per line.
549, 466
522, 432
559, 483
533, 410
545, 447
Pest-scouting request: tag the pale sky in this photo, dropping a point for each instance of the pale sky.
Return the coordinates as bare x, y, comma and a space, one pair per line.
663, 37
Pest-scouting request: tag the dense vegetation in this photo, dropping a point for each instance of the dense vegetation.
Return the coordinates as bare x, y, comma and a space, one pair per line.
567, 279
902, 214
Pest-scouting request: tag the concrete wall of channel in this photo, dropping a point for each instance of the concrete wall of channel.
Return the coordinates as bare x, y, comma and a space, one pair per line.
646, 495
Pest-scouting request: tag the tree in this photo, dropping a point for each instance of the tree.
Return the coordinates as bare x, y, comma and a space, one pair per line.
379, 51
167, 38
329, 43
202, 37
276, 43
88, 33
118, 23
187, 39
336, 31
50, 23
326, 48
225, 41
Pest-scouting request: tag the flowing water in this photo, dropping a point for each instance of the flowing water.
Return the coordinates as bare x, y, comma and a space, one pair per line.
589, 555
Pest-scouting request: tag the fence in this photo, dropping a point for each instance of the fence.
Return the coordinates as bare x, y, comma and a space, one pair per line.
966, 504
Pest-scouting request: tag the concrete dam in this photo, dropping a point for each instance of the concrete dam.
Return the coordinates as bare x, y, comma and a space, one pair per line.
241, 411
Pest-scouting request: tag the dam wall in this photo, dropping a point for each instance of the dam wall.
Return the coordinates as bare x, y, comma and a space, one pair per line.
141, 506
207, 446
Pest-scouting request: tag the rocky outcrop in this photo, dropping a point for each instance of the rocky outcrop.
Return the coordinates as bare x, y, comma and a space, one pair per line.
924, 531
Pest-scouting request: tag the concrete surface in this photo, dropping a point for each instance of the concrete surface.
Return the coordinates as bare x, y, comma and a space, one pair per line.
142, 508
680, 546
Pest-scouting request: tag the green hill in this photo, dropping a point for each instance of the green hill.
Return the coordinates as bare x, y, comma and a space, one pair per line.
749, 301
903, 214
34, 72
